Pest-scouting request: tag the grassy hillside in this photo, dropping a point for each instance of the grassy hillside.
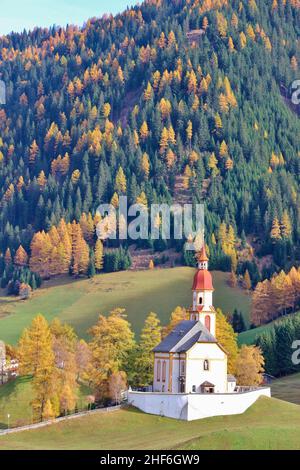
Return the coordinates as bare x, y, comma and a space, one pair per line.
269, 424
249, 337
15, 398
80, 302
287, 388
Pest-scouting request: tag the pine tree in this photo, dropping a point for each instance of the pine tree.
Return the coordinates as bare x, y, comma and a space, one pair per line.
238, 323
7, 257
91, 268
267, 343
284, 337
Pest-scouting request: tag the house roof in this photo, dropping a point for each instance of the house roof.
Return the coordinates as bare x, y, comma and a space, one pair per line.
207, 384
231, 378
184, 336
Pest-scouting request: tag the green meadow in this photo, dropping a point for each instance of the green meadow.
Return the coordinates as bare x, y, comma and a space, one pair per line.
15, 400
79, 302
268, 424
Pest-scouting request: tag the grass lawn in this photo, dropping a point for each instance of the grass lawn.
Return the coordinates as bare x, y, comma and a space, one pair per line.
249, 337
79, 302
287, 388
269, 424
15, 398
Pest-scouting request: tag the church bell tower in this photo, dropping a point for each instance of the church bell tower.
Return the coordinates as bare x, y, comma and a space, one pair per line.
202, 307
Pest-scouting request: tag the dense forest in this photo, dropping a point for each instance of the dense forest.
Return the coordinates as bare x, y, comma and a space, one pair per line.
170, 89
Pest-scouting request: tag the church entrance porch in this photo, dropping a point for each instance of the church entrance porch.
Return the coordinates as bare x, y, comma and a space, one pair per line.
207, 387
181, 384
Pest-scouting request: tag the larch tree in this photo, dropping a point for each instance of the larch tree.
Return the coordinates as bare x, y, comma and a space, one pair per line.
261, 309
121, 182
35, 347
148, 92
117, 384
275, 233
228, 340
145, 164
150, 337
111, 344
36, 358
249, 366
21, 257
144, 131
151, 264
164, 139
99, 256
247, 281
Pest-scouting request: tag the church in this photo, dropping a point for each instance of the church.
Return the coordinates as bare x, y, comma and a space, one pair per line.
190, 359
190, 366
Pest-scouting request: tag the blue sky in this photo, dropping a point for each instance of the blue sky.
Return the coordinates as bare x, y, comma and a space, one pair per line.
15, 15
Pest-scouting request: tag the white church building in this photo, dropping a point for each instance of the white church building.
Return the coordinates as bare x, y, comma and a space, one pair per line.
190, 366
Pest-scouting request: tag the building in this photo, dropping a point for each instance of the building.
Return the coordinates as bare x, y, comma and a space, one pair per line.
190, 366
189, 359
194, 36
8, 370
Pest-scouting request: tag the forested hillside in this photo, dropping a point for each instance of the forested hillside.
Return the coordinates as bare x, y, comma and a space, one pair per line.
126, 105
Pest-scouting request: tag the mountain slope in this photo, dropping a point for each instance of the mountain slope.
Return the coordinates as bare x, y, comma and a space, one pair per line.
134, 93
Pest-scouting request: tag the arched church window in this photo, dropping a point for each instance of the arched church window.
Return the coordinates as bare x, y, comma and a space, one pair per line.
207, 322
206, 365
164, 371
200, 300
158, 371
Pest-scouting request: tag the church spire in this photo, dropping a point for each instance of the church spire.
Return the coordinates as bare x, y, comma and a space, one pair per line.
202, 258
